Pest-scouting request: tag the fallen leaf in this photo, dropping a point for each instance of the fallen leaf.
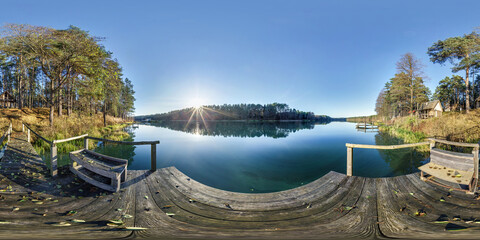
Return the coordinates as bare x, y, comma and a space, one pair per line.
77, 221
135, 228
71, 213
118, 222
61, 224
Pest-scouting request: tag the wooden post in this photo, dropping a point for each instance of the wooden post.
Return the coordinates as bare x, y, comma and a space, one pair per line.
53, 161
475, 171
153, 158
23, 127
9, 132
85, 143
28, 135
432, 144
349, 161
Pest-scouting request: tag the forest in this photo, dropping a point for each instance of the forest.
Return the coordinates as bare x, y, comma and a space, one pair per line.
238, 129
62, 69
404, 93
273, 111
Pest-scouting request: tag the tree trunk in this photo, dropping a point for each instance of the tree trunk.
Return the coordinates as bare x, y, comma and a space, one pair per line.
60, 102
69, 100
52, 102
411, 100
467, 90
104, 114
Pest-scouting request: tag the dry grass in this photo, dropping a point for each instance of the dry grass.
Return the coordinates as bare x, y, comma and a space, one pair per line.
65, 126
453, 126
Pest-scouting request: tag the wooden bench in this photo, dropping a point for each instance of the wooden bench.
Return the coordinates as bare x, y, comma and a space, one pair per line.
99, 170
455, 167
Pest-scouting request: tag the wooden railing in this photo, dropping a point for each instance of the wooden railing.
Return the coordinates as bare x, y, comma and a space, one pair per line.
53, 147
431, 142
153, 148
351, 146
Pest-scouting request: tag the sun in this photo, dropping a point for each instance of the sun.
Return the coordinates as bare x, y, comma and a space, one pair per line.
196, 103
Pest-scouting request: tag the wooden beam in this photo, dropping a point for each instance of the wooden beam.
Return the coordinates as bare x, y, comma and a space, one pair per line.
475, 171
351, 145
85, 143
53, 160
153, 157
473, 145
349, 161
69, 139
125, 142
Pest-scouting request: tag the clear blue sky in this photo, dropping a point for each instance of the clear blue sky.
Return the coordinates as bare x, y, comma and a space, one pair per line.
329, 57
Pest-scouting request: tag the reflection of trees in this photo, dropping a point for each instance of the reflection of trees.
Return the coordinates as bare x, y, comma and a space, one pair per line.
401, 161
238, 129
119, 150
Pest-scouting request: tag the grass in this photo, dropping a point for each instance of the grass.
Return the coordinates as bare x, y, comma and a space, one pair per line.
63, 127
452, 126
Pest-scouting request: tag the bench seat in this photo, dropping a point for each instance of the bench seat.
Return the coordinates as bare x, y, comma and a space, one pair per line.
452, 167
99, 170
447, 174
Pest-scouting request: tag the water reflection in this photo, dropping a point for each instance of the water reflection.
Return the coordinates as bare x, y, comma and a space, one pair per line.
241, 129
401, 161
263, 156
119, 150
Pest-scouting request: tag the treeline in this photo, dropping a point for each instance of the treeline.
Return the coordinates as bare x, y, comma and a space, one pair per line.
405, 92
58, 69
238, 129
274, 111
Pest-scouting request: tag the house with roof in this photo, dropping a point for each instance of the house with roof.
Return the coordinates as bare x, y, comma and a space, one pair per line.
7, 100
430, 109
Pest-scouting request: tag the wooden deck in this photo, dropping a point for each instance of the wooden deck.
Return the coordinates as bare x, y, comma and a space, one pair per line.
171, 205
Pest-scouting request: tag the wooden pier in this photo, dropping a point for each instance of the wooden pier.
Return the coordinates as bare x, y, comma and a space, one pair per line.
168, 204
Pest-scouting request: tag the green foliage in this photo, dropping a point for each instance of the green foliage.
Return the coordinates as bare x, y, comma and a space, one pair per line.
274, 112
45, 67
405, 92
408, 136
451, 92
462, 52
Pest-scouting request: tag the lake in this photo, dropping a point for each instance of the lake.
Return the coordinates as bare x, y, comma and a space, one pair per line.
263, 157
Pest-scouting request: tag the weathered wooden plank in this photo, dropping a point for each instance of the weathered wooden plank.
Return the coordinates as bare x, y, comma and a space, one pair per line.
472, 145
88, 179
452, 155
173, 173
119, 160
242, 201
95, 167
447, 173
69, 139
351, 145
124, 142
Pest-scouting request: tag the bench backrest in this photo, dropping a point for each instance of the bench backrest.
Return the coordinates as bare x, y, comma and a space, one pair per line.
455, 160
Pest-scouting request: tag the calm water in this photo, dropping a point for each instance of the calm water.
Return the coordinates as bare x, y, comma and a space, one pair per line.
263, 157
